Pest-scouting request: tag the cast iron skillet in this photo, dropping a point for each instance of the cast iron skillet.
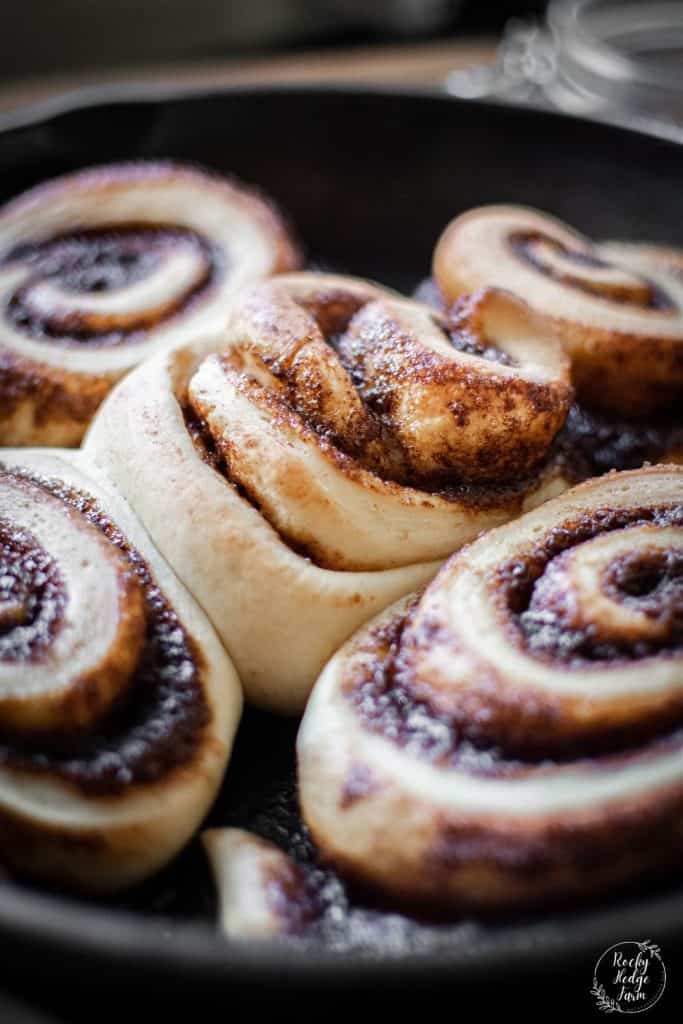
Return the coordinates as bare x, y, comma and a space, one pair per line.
369, 179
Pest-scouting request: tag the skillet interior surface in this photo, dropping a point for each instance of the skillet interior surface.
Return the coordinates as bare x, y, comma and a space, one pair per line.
369, 179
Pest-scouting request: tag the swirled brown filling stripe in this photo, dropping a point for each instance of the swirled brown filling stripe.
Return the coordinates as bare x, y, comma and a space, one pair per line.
101, 268
101, 262
156, 724
583, 269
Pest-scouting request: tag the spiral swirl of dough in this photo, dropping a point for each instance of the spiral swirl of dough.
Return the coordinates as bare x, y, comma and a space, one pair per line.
325, 452
262, 893
515, 733
618, 309
117, 702
102, 268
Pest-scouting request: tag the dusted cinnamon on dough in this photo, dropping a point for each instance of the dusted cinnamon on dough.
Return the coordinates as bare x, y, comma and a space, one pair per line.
118, 704
104, 267
325, 452
617, 308
518, 726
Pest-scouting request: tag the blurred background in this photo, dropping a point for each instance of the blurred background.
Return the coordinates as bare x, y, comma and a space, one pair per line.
618, 60
51, 35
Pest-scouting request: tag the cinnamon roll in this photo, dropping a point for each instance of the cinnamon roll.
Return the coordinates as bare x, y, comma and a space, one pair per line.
323, 454
118, 704
515, 733
102, 268
622, 324
262, 893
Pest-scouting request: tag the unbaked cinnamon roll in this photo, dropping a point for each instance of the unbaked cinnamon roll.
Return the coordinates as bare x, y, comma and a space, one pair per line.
322, 455
515, 733
622, 324
644, 257
618, 307
102, 268
262, 893
118, 704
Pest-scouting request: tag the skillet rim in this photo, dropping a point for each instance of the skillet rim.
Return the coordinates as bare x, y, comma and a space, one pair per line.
83, 98
132, 950
133, 946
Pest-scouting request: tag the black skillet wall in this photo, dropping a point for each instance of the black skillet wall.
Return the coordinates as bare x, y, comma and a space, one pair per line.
370, 180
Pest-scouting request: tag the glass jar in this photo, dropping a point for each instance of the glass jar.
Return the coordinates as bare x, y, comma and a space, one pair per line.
619, 59
614, 60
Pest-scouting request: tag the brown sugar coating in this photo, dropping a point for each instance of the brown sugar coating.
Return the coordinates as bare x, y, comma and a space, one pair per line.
346, 363
372, 395
592, 441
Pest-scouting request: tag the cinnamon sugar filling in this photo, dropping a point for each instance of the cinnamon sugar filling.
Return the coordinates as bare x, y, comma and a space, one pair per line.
381, 686
157, 724
100, 261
